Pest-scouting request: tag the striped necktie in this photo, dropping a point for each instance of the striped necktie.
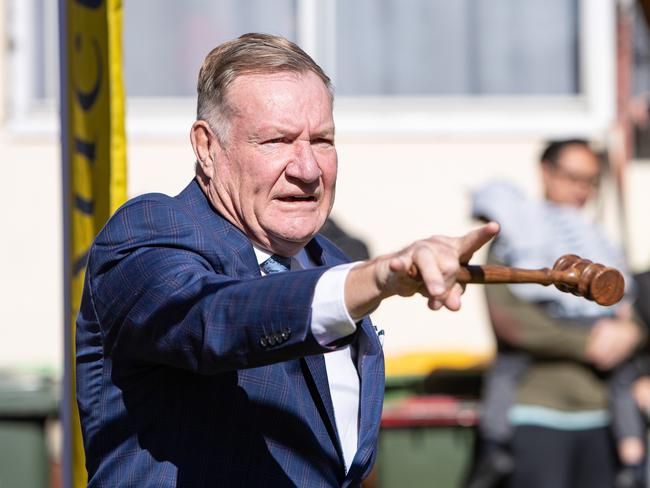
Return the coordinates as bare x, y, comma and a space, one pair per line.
276, 264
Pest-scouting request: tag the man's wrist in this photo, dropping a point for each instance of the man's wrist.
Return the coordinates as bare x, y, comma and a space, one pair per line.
330, 318
362, 292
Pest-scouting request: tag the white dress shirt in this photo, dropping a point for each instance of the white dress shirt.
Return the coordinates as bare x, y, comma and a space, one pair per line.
331, 321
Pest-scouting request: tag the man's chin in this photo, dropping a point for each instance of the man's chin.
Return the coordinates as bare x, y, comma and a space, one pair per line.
286, 243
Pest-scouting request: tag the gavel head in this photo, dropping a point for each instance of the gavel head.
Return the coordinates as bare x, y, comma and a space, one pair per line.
591, 280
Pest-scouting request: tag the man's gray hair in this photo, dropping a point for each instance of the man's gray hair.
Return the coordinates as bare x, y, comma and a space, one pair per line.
249, 54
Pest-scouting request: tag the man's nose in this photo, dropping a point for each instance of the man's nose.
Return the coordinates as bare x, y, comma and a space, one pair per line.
304, 165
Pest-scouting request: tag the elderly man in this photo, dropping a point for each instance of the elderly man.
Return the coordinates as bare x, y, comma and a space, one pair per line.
199, 363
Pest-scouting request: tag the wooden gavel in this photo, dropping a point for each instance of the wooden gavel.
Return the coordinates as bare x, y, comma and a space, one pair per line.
570, 274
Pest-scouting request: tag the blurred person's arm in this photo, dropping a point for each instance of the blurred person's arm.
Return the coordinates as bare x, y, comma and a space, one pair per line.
525, 326
613, 340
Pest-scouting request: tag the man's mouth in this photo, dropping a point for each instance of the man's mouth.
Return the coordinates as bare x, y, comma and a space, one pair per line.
298, 198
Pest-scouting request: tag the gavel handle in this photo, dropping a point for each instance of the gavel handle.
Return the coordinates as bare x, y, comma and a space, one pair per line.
501, 274
571, 274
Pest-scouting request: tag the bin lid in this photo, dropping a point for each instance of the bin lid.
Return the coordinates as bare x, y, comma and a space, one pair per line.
429, 411
28, 395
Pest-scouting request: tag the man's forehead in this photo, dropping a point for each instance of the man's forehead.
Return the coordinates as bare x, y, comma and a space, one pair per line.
578, 156
286, 124
272, 94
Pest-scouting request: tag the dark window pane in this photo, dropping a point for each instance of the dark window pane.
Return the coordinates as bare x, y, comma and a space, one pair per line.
460, 47
165, 41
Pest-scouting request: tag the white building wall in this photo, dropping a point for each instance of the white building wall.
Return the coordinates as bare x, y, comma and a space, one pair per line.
31, 292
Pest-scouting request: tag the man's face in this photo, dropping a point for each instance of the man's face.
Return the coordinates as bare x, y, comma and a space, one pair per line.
574, 180
275, 175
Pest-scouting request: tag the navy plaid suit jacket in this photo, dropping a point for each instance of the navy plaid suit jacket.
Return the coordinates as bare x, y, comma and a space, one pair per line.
175, 385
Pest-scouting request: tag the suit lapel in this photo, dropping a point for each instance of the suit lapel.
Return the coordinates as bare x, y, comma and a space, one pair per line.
316, 364
318, 371
370, 365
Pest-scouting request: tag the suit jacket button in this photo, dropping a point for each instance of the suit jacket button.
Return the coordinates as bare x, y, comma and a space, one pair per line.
278, 338
284, 334
263, 342
271, 340
286, 331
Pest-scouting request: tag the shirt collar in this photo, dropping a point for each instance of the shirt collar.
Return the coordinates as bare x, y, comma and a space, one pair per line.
261, 254
299, 261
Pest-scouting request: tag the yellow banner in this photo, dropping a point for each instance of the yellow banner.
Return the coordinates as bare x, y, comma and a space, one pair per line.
96, 142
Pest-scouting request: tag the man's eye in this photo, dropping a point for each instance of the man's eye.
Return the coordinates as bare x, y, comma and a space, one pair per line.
323, 141
276, 140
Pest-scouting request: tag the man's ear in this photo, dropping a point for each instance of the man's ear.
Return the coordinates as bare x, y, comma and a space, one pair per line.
205, 145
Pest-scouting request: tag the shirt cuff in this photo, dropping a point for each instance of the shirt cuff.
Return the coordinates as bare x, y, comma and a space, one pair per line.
330, 319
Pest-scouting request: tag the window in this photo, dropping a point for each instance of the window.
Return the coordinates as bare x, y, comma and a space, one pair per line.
33, 69
398, 66
464, 47
165, 41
